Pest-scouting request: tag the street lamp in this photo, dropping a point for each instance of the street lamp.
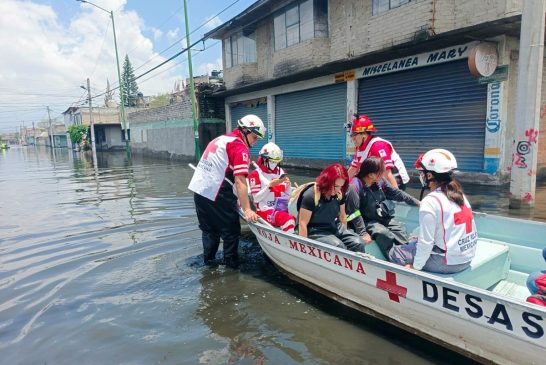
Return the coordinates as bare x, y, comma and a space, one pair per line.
122, 106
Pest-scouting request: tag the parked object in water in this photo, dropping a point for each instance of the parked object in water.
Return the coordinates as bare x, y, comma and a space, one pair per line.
480, 312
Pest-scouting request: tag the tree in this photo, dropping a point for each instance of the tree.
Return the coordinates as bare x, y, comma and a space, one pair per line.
130, 87
77, 131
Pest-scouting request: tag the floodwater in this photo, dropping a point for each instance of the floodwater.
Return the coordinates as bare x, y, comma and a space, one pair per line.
102, 266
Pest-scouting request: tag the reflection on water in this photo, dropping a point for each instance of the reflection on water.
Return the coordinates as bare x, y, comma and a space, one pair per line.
256, 315
102, 266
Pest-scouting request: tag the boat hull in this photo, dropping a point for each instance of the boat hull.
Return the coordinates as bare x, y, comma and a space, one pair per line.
471, 321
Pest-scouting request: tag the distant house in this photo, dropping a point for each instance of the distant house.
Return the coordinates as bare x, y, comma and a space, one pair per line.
109, 134
305, 66
60, 138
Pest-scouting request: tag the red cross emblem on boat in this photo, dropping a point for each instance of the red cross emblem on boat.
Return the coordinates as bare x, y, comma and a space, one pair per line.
390, 286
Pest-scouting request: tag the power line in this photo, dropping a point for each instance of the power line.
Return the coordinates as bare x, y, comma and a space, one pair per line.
202, 39
178, 63
193, 31
162, 24
41, 94
100, 51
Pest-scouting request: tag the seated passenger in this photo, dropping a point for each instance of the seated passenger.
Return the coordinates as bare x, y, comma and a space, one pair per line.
270, 189
322, 210
447, 230
536, 283
367, 209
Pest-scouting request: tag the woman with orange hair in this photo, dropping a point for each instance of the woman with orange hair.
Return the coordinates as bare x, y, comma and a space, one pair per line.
322, 210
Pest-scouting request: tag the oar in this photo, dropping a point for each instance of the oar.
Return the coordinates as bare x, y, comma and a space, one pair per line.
240, 211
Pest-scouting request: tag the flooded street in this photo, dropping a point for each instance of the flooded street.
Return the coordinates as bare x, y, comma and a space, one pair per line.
102, 267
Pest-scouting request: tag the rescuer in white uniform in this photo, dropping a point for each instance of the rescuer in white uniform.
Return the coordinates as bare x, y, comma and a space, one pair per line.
447, 230
219, 179
369, 145
270, 188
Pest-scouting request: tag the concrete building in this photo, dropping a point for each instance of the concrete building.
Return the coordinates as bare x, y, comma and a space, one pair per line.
305, 66
108, 129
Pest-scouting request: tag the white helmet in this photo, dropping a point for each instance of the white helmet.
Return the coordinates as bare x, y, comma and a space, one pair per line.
437, 160
270, 151
253, 124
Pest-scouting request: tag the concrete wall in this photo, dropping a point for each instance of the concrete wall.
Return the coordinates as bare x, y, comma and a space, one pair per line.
541, 168
167, 132
511, 100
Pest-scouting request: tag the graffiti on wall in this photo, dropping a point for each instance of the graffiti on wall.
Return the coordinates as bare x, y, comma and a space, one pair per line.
524, 147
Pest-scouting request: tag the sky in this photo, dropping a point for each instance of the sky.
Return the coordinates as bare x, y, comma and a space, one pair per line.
48, 49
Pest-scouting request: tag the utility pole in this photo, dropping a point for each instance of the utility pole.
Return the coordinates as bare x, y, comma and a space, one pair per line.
192, 86
121, 96
528, 95
122, 106
92, 125
50, 130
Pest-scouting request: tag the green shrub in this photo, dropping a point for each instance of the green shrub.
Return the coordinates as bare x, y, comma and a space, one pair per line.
76, 132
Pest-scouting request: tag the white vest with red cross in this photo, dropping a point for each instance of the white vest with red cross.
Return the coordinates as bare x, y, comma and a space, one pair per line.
264, 196
212, 168
396, 160
456, 232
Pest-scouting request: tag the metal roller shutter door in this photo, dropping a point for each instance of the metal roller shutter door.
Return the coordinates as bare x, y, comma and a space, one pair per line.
439, 106
239, 111
309, 123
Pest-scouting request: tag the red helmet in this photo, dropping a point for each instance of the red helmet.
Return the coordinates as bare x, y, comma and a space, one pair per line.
361, 124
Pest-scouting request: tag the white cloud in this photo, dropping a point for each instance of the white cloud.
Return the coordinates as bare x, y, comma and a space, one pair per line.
212, 22
206, 68
173, 33
157, 33
42, 54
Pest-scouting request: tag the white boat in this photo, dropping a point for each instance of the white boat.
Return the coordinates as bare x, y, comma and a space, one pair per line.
480, 312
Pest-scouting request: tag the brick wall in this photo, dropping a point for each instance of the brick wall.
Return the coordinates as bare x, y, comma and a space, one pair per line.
354, 31
265, 49
180, 110
302, 56
471, 12
242, 74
